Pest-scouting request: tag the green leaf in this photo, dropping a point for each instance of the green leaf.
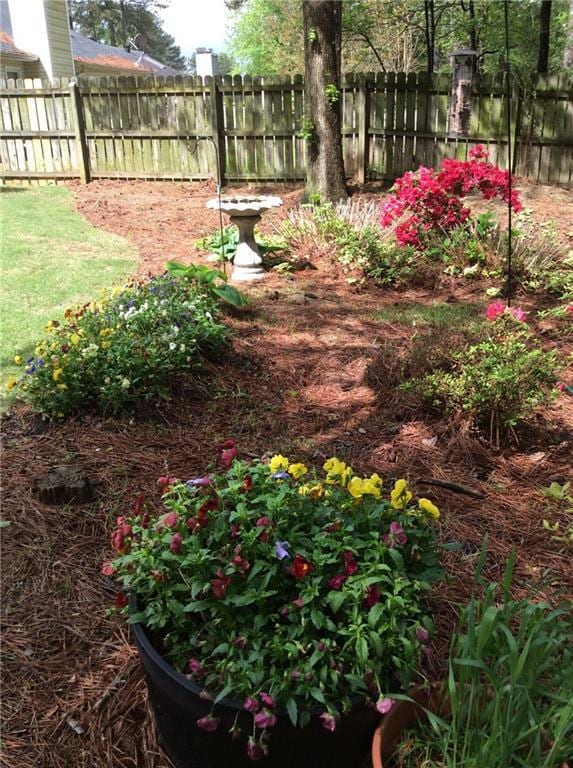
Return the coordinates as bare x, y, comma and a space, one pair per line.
231, 295
374, 614
196, 605
335, 600
292, 710
317, 618
362, 651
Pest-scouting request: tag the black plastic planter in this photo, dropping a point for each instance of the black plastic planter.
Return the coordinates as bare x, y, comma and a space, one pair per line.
177, 706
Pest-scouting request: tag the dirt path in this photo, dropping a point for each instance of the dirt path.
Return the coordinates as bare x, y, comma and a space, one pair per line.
303, 378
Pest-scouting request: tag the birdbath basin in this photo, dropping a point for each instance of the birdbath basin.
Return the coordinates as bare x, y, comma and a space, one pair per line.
245, 212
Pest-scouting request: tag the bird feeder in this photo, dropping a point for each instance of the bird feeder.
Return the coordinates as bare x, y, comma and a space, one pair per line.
463, 68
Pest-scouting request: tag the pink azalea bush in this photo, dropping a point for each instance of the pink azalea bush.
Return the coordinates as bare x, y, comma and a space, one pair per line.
431, 200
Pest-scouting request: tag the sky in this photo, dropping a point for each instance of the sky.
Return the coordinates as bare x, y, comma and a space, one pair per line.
196, 23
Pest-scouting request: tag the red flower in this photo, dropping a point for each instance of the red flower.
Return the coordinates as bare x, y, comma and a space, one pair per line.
176, 543
372, 596
264, 522
268, 700
265, 719
336, 526
234, 531
337, 581
328, 721
193, 524
220, 584
228, 452
196, 668
301, 567
158, 576
247, 484
350, 565
138, 503
165, 483
121, 600
256, 750
251, 704
240, 563
145, 518
107, 569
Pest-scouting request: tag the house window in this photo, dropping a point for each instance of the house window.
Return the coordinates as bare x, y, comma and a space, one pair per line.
13, 74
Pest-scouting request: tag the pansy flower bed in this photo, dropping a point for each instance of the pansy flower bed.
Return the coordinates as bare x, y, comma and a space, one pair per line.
126, 347
282, 587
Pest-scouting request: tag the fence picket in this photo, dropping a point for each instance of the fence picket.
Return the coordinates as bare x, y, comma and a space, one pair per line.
146, 127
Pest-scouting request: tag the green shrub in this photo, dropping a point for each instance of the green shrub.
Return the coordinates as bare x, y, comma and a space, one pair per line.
496, 381
128, 346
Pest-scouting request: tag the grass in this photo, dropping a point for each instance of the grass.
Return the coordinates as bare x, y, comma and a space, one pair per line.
441, 314
52, 258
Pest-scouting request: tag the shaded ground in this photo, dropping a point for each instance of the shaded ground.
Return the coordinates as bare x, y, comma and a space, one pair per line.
304, 378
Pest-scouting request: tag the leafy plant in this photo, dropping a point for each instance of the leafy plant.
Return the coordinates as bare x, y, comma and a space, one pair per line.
508, 686
225, 247
127, 347
332, 94
284, 587
496, 381
562, 498
211, 281
307, 130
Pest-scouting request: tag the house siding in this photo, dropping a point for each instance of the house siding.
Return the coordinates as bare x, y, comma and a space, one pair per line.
41, 26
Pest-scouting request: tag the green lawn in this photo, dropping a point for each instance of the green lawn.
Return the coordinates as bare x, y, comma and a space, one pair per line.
51, 258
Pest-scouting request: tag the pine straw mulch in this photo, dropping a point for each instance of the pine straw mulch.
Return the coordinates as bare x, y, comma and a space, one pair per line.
300, 378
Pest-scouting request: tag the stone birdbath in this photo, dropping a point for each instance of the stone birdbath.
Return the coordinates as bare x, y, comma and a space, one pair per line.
245, 212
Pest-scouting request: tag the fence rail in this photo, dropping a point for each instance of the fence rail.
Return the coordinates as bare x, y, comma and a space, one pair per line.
153, 128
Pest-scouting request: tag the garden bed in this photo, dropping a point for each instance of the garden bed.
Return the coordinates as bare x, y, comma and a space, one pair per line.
303, 379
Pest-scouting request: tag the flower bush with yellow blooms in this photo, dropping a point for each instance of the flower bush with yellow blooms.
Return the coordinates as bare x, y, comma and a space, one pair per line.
127, 347
287, 588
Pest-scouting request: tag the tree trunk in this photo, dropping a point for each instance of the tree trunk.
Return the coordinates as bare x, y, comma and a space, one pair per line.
568, 56
544, 21
322, 21
428, 11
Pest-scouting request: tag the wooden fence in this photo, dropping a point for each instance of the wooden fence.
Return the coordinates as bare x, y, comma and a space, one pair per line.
168, 128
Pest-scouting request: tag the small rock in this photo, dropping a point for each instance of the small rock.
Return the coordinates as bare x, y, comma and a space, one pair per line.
297, 298
64, 485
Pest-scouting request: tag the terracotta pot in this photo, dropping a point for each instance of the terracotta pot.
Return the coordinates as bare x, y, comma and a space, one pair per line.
403, 715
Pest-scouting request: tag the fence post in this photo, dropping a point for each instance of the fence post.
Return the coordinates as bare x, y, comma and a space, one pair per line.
363, 106
80, 129
217, 129
517, 117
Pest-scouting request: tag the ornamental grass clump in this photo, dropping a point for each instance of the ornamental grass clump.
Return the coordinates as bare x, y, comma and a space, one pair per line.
126, 347
286, 589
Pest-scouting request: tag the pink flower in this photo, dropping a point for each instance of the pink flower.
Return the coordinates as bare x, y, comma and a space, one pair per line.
328, 721
350, 565
561, 386
208, 723
396, 536
569, 309
170, 520
228, 452
256, 750
268, 700
195, 667
422, 634
495, 310
251, 704
220, 584
298, 603
176, 543
265, 719
107, 569
384, 705
518, 314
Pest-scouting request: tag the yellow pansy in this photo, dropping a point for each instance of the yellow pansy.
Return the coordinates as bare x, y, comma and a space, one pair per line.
106, 332
356, 487
370, 488
74, 338
314, 491
17, 360
278, 463
297, 470
376, 479
400, 495
334, 466
62, 386
57, 374
429, 508
11, 383
106, 344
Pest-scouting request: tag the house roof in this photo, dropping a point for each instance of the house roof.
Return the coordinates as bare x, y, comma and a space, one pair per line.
86, 51
90, 51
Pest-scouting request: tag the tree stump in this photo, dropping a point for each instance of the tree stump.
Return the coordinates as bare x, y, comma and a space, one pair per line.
64, 485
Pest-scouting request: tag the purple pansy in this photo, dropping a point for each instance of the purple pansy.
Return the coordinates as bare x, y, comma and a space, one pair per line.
281, 549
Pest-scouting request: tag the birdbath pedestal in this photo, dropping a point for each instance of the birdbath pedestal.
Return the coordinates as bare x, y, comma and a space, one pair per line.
245, 212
